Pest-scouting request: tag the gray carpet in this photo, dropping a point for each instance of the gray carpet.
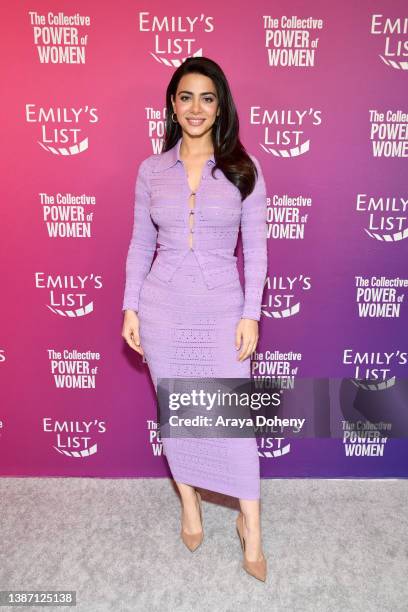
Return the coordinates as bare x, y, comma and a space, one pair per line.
331, 545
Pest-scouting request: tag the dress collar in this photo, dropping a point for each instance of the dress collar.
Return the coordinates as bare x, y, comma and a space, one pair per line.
172, 156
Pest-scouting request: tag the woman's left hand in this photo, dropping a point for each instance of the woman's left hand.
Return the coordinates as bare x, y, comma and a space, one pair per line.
246, 337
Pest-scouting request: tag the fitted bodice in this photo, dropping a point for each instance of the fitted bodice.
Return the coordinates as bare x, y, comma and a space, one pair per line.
163, 219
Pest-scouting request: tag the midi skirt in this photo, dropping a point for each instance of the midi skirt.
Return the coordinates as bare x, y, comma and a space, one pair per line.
188, 331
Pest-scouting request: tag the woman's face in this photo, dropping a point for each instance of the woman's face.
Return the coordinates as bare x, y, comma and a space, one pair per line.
195, 104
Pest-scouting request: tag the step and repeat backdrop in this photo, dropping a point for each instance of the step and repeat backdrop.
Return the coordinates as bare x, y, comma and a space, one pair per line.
321, 91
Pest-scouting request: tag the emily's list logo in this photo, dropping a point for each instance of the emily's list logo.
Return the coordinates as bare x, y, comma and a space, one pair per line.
386, 216
74, 438
286, 132
69, 294
393, 34
175, 37
62, 130
283, 295
372, 370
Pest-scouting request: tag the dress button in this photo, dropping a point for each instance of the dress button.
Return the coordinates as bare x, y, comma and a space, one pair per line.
192, 230
191, 212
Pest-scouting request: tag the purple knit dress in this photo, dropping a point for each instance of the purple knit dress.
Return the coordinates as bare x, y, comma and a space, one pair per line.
191, 300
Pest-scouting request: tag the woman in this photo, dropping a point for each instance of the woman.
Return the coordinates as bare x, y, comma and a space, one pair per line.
187, 314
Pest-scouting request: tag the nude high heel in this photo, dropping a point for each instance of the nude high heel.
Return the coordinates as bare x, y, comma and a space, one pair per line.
255, 568
193, 540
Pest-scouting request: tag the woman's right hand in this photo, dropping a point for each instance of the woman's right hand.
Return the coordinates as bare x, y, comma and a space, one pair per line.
130, 331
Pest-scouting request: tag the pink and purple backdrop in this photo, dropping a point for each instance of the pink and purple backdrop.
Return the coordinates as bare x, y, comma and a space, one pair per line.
321, 94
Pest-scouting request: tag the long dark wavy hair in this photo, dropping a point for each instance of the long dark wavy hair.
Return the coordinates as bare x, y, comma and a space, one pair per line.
229, 153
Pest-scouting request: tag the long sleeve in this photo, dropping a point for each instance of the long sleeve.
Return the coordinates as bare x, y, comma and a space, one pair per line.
143, 241
255, 249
